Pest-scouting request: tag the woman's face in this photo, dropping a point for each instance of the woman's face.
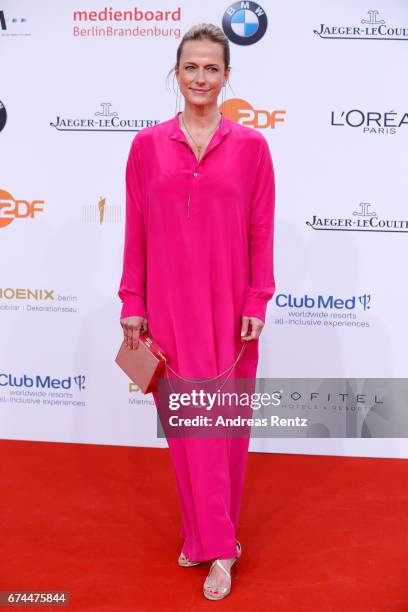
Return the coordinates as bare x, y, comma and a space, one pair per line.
201, 72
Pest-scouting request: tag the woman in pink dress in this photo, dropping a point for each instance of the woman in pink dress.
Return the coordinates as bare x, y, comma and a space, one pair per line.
198, 273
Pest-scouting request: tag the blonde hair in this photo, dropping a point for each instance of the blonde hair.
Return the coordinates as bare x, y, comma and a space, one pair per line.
206, 31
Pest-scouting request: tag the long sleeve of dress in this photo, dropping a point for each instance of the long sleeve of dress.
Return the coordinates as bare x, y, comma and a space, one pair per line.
132, 290
262, 281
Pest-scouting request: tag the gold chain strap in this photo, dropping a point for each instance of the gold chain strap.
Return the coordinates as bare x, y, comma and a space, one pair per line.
208, 379
205, 379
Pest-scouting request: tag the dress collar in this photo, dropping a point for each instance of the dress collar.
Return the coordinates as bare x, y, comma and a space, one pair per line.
177, 133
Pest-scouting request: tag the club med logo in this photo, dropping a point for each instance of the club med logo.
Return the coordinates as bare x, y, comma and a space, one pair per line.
103, 120
244, 23
3, 115
370, 28
362, 220
11, 209
42, 382
370, 122
320, 302
13, 26
244, 113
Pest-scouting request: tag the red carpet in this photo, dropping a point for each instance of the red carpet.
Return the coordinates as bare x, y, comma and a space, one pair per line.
101, 522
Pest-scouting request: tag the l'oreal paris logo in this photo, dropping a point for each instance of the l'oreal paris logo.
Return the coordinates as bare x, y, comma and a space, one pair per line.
329, 302
370, 122
371, 28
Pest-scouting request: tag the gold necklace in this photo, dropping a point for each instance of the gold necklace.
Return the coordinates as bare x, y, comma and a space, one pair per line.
199, 147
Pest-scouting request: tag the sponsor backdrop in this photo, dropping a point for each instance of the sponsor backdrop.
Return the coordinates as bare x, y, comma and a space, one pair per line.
323, 82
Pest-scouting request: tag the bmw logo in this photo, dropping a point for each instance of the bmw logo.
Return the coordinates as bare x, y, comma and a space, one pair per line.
3, 115
244, 23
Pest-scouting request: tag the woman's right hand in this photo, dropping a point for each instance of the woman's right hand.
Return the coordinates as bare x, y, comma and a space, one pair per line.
132, 326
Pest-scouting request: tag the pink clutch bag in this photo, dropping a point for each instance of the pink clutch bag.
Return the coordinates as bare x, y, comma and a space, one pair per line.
143, 365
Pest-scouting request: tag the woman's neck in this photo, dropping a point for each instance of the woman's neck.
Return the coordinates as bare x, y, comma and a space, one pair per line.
201, 117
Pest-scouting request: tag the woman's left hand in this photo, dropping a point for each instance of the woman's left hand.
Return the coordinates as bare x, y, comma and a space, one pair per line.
251, 328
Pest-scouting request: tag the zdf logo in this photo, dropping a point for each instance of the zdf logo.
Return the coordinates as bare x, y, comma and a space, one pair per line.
242, 112
11, 209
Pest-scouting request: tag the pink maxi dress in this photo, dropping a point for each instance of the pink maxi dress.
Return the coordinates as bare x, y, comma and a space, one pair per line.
198, 255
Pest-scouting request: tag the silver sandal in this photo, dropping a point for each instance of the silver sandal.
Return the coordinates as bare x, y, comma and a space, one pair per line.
223, 591
184, 561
